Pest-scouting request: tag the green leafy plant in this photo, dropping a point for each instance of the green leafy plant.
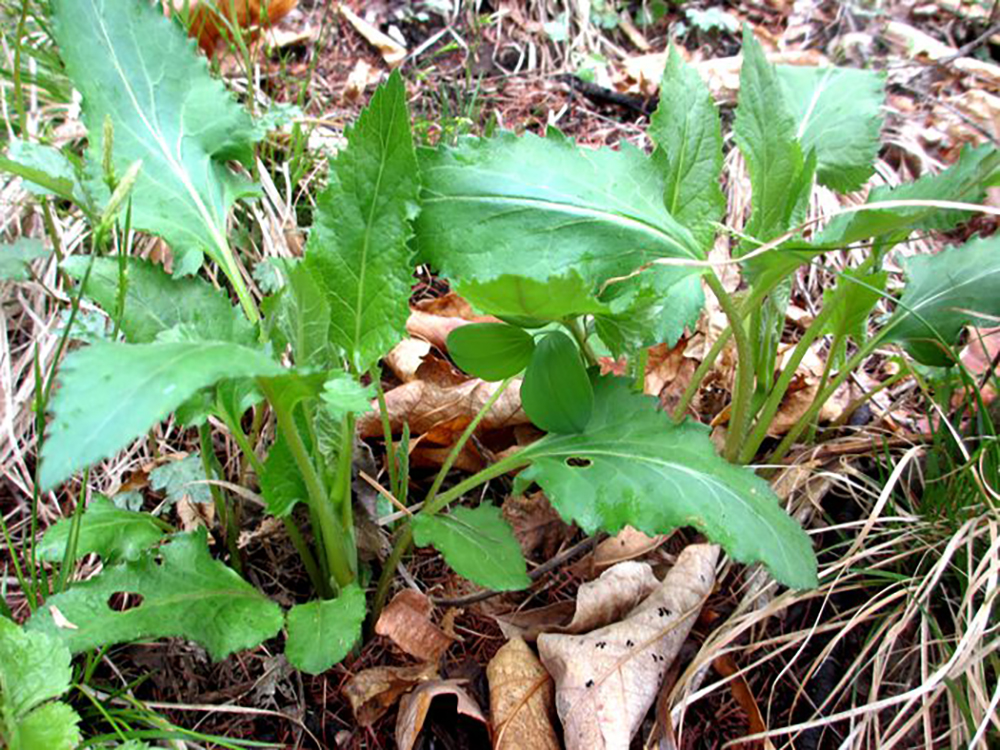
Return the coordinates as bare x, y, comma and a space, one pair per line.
34, 672
573, 248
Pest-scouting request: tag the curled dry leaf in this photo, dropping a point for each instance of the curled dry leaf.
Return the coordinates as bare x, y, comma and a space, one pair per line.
372, 692
414, 709
362, 76
433, 319
607, 679
668, 372
406, 357
406, 622
618, 591
207, 20
426, 405
392, 51
627, 544
538, 526
521, 700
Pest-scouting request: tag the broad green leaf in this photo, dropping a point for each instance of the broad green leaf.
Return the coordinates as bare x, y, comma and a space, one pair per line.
765, 132
651, 308
49, 727
477, 543
46, 169
155, 302
303, 315
291, 387
556, 392
112, 393
688, 136
106, 530
321, 633
510, 296
184, 593
181, 479
342, 394
491, 351
542, 208
850, 317
944, 293
234, 397
633, 465
357, 250
137, 68
966, 181
838, 115
34, 668
15, 258
281, 482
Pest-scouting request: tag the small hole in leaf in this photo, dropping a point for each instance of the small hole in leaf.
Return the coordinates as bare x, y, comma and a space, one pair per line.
123, 601
582, 463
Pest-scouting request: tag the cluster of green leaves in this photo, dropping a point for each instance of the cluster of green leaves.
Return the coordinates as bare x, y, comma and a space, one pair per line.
574, 249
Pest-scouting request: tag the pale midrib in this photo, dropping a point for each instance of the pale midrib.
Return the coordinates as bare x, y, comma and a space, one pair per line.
365, 245
175, 167
575, 210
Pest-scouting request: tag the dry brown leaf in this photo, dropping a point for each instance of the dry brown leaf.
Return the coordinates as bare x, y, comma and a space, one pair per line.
425, 405
428, 456
405, 358
406, 621
392, 52
452, 305
521, 700
414, 707
206, 21
725, 665
538, 526
607, 679
606, 600
721, 75
372, 692
627, 544
361, 77
194, 515
802, 392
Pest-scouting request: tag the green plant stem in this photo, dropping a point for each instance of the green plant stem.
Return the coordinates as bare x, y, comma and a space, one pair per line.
806, 419
866, 397
754, 299
341, 496
232, 270
222, 509
337, 557
321, 585
405, 538
390, 447
575, 327
434, 501
838, 340
245, 447
699, 374
22, 113
777, 394
460, 444
72, 543
739, 409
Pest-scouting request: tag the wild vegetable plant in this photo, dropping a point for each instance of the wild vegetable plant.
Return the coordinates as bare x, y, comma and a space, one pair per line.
573, 248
